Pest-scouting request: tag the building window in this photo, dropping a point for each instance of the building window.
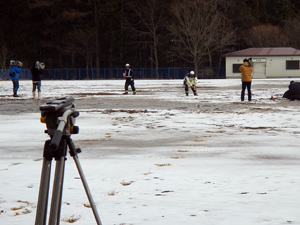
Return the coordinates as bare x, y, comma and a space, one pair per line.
236, 68
292, 65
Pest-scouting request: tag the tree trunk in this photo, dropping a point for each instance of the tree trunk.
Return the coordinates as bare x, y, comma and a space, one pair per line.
60, 59
151, 61
196, 66
97, 41
87, 65
209, 57
220, 58
155, 53
73, 59
122, 31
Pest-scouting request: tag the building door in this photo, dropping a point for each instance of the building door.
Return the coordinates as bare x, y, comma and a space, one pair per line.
259, 70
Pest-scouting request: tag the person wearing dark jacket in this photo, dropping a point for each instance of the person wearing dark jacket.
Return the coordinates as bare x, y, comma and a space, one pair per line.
15, 70
36, 72
294, 91
246, 71
129, 76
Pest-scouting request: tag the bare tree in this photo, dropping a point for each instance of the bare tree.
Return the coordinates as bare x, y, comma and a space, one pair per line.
82, 43
146, 23
265, 36
5, 54
198, 29
53, 22
221, 34
292, 31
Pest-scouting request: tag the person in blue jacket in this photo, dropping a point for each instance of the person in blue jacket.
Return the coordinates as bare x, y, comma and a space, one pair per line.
15, 69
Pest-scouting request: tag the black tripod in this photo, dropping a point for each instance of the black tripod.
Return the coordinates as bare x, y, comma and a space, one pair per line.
57, 148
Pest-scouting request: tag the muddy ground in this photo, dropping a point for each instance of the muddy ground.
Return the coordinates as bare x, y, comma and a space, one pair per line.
152, 107
211, 99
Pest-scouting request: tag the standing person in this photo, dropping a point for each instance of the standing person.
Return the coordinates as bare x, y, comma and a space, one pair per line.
190, 80
36, 71
246, 71
15, 69
129, 76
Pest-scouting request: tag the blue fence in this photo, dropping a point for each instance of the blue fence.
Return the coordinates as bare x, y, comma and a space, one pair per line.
116, 73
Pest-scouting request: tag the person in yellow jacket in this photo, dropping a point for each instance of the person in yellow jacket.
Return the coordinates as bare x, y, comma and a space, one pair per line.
246, 71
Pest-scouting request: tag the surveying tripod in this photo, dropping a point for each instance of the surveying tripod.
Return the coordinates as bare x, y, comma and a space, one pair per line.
59, 116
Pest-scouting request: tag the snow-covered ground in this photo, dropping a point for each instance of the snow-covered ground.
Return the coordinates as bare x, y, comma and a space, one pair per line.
159, 157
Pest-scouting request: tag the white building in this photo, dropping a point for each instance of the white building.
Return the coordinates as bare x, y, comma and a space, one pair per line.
266, 62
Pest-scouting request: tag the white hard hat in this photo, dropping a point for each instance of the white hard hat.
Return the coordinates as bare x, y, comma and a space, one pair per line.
192, 72
127, 65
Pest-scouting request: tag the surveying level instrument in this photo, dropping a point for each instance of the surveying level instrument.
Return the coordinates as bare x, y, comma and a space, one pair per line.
59, 116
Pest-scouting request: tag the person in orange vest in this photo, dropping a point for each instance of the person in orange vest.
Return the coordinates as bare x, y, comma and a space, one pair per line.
246, 70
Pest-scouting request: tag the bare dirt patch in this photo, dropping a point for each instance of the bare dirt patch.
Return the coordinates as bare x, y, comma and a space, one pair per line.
129, 111
98, 93
258, 128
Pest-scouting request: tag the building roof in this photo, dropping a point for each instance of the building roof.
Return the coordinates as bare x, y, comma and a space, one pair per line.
264, 52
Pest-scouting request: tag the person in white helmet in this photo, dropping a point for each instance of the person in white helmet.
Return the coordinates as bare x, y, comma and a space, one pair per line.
36, 72
190, 80
129, 76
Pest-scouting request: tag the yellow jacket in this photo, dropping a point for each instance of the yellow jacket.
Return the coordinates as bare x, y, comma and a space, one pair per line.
246, 71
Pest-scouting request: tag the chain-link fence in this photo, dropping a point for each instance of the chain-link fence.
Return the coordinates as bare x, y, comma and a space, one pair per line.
116, 73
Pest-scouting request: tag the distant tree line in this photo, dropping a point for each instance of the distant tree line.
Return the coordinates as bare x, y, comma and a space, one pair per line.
144, 33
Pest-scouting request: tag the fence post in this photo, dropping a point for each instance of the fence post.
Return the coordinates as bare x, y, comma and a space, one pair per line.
79, 74
104, 73
53, 74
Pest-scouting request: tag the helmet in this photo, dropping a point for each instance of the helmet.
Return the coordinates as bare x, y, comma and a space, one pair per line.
12, 63
127, 65
19, 63
42, 65
39, 65
36, 65
192, 72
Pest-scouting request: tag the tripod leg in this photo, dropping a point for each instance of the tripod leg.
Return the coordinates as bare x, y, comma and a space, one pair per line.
54, 217
73, 153
87, 190
41, 211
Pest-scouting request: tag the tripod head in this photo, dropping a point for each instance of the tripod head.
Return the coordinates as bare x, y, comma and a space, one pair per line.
59, 116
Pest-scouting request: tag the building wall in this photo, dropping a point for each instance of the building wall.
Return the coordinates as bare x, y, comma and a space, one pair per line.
275, 67
229, 62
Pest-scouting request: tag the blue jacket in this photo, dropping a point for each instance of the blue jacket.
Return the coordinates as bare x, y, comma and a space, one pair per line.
16, 70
